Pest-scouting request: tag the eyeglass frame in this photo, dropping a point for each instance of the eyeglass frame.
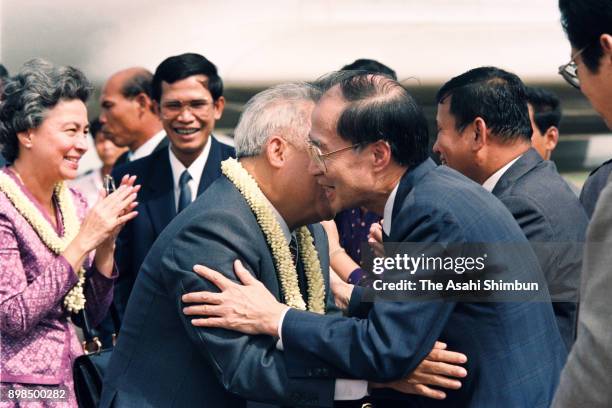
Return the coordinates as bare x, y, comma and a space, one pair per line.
180, 106
571, 78
319, 157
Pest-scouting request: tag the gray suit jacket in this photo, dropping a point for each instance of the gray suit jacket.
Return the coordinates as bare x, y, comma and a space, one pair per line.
555, 223
161, 360
593, 185
585, 380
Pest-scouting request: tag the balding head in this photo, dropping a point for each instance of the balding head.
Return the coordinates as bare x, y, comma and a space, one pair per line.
128, 115
131, 81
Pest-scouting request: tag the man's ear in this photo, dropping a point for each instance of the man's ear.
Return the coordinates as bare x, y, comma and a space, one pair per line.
156, 108
551, 137
480, 136
381, 154
276, 151
144, 102
219, 106
605, 41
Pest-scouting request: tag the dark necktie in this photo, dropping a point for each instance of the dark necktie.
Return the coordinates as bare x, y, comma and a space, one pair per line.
185, 191
299, 267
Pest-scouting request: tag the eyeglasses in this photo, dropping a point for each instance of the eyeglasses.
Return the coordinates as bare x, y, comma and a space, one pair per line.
196, 107
318, 157
569, 71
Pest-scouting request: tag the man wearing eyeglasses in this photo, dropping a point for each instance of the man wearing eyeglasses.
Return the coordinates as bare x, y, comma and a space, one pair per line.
369, 145
188, 97
586, 381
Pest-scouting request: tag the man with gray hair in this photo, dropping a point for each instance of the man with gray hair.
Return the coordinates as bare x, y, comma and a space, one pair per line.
160, 358
255, 212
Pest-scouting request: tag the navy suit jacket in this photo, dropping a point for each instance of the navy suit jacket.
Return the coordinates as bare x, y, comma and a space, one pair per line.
514, 349
161, 360
124, 158
551, 217
156, 209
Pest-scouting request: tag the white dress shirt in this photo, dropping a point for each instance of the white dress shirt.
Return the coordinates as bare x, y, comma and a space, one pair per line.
195, 171
492, 181
388, 211
147, 147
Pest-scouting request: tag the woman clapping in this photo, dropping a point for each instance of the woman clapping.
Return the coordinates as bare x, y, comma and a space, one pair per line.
47, 241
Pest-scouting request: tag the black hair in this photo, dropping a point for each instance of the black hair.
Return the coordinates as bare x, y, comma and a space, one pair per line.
94, 127
380, 108
370, 65
584, 21
497, 96
546, 108
3, 71
182, 66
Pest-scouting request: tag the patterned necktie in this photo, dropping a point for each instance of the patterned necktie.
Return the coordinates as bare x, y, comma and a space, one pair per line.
185, 191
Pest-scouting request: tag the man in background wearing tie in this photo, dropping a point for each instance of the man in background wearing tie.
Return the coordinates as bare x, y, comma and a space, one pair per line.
187, 94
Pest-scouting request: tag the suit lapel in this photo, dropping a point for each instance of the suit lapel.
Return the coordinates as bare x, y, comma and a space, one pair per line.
212, 168
161, 206
163, 144
522, 166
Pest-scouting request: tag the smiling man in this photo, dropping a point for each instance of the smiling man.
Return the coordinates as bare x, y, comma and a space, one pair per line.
188, 96
256, 209
369, 147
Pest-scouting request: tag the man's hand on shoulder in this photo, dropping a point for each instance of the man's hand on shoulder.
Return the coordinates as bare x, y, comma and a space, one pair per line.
248, 307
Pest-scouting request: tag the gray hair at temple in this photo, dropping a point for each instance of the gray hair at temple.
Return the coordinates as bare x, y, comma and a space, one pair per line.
27, 97
282, 109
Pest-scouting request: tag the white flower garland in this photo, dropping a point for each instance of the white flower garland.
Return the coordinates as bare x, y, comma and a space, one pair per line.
287, 273
74, 300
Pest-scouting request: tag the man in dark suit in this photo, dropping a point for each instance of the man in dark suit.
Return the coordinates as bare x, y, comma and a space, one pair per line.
485, 133
184, 366
128, 114
369, 147
188, 97
161, 360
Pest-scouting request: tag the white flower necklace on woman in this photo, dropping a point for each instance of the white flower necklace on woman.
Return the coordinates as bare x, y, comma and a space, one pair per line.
74, 300
281, 254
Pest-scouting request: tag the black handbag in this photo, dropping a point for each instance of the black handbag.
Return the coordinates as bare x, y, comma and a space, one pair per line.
88, 370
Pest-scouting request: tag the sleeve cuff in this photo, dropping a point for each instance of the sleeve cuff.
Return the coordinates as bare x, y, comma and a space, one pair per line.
348, 390
279, 343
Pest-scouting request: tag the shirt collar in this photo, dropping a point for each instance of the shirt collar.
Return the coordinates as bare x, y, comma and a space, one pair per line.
195, 170
147, 147
492, 181
388, 212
